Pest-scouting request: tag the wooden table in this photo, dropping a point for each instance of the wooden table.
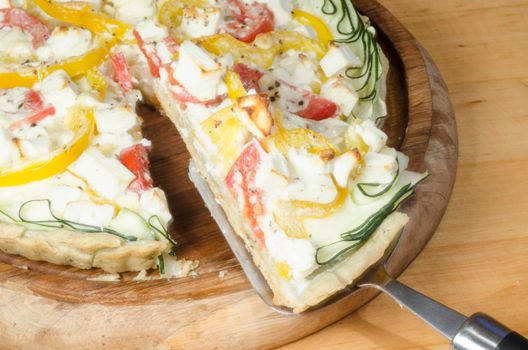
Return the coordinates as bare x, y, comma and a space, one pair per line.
478, 259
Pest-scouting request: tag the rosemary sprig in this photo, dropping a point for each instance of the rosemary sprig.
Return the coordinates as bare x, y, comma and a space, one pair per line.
63, 223
362, 233
163, 231
361, 186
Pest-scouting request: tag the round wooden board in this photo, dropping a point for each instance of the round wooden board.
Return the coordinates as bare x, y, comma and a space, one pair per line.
54, 307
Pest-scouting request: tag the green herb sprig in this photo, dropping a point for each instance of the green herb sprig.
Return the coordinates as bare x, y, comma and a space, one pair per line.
362, 233
354, 29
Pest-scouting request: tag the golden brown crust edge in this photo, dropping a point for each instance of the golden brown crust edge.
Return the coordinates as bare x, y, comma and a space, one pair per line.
324, 284
82, 250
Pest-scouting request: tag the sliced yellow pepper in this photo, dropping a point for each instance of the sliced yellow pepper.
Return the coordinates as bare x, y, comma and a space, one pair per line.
82, 123
323, 33
227, 132
299, 138
75, 66
84, 16
97, 82
235, 88
264, 49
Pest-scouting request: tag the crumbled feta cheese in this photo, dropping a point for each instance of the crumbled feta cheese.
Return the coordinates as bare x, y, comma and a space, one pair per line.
15, 44
154, 202
65, 42
131, 11
296, 68
57, 90
198, 73
149, 31
371, 135
197, 22
342, 166
338, 57
12, 99
33, 142
88, 213
115, 120
340, 91
61, 195
309, 179
106, 176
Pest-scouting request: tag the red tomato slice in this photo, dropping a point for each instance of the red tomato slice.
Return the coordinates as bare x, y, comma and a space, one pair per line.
149, 51
249, 21
121, 74
313, 106
13, 17
241, 183
317, 108
249, 76
37, 111
135, 158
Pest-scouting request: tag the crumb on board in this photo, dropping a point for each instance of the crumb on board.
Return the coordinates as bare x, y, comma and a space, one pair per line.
108, 277
222, 273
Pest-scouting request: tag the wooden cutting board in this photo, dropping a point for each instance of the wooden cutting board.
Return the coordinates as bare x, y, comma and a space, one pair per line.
43, 306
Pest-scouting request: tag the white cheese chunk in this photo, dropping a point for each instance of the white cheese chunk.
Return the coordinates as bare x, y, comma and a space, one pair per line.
298, 253
198, 73
378, 168
65, 42
371, 135
296, 68
112, 143
115, 120
197, 22
132, 11
341, 92
15, 44
149, 31
12, 99
106, 176
57, 90
154, 202
338, 57
309, 180
34, 141
88, 213
61, 195
342, 166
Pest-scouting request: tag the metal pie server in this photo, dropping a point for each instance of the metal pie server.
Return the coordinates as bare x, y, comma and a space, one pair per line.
477, 332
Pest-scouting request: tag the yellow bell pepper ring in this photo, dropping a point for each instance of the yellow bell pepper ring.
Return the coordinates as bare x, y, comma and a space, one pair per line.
83, 16
235, 88
82, 123
323, 33
75, 67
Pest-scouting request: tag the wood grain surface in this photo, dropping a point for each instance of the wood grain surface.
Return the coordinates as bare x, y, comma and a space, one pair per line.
55, 307
478, 258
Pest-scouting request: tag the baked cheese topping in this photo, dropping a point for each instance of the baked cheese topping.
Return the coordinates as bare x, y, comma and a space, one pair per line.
107, 186
281, 100
282, 105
